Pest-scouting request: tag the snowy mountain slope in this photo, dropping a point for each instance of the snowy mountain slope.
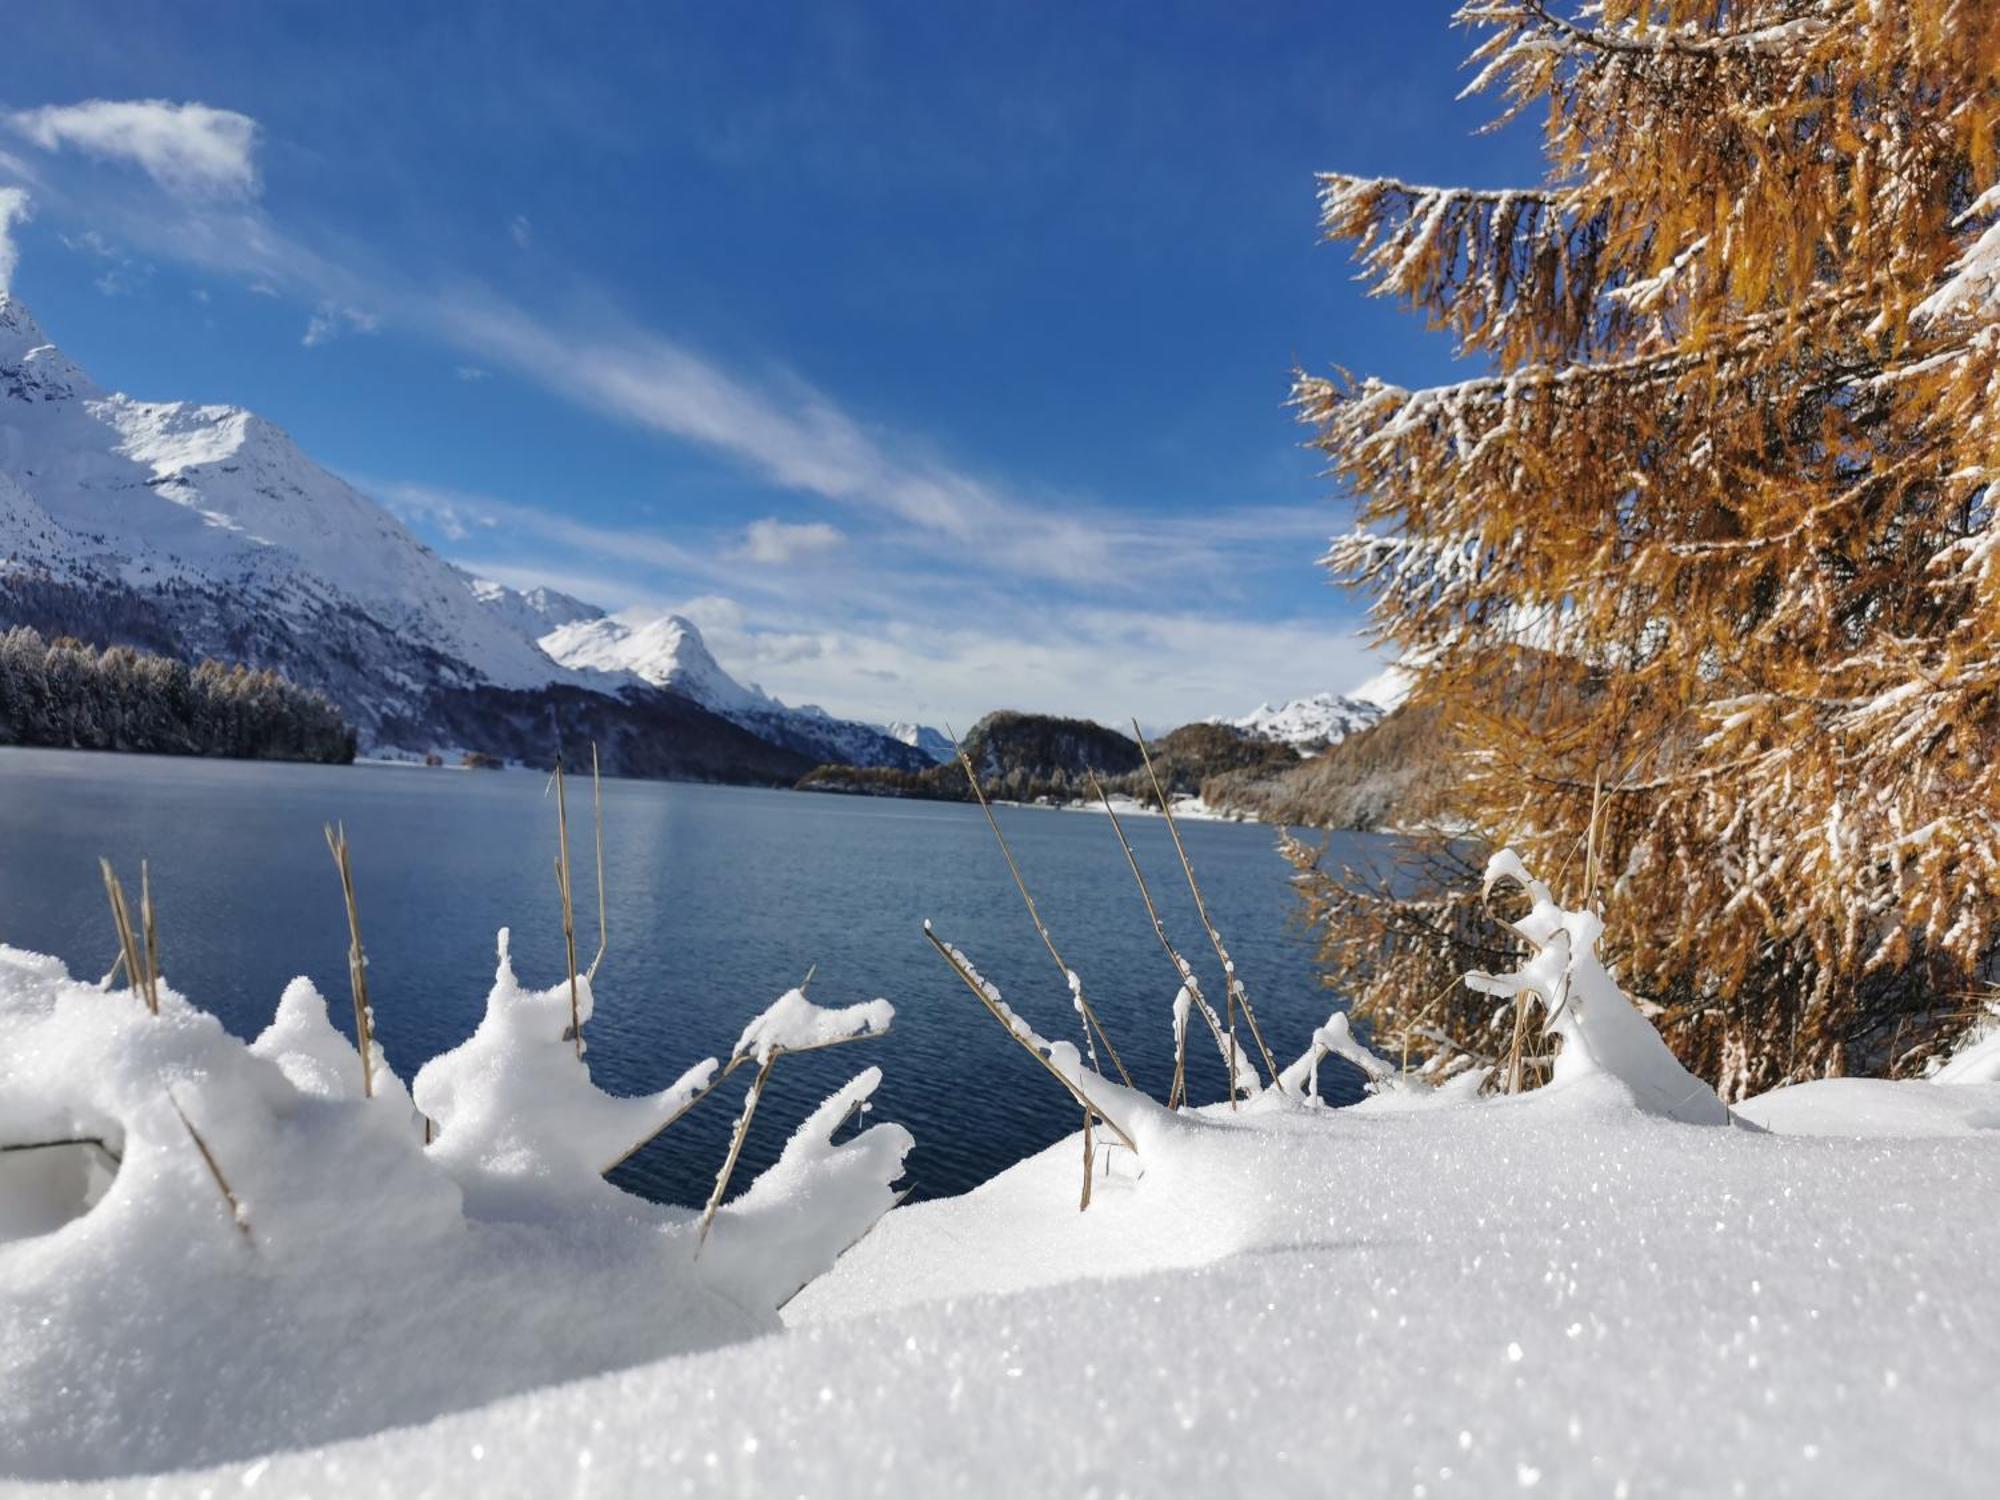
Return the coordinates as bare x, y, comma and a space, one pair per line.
668, 651
922, 737
531, 612
1307, 724
244, 546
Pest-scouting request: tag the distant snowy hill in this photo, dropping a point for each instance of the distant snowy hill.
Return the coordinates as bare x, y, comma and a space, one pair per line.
1308, 724
922, 737
668, 651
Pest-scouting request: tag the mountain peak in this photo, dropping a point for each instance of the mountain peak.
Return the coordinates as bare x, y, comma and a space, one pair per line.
32, 368
1307, 724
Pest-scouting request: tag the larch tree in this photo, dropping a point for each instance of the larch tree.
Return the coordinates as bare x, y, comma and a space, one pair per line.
1704, 574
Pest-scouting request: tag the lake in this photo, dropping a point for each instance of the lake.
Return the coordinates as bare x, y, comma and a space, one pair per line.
720, 898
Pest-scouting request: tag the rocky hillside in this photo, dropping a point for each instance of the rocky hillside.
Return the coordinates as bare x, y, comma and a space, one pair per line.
1379, 777
1039, 757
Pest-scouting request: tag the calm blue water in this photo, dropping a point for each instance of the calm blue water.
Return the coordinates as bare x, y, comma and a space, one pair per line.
720, 899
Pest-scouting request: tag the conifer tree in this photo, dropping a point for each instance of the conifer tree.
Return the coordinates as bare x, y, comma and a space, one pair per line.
1713, 545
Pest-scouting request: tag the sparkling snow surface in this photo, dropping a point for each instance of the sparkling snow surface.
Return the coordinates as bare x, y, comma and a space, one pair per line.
1556, 1294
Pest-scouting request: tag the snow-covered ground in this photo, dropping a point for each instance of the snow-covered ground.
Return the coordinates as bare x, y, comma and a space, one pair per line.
1603, 1286
1185, 807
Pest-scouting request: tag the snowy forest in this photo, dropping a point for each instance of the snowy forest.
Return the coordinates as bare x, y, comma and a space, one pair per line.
66, 694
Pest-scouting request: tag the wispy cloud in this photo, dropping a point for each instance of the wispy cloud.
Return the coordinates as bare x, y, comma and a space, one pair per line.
191, 150
14, 209
780, 542
521, 230
330, 321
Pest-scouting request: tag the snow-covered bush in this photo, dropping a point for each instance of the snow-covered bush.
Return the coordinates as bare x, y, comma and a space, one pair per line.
211, 1249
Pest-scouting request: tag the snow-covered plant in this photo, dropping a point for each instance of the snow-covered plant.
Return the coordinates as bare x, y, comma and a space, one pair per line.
1603, 1034
1715, 535
174, 1201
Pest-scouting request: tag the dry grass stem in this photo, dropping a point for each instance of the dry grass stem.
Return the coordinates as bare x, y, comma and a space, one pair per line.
357, 959
1026, 1046
151, 934
568, 907
1089, 1153
750, 1103
1069, 980
597, 807
236, 1214
1233, 986
130, 950
1183, 971
700, 1094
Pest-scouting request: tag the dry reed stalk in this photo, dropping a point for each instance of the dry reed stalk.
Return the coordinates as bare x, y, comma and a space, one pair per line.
357, 958
1026, 1046
750, 1103
236, 1214
568, 907
1088, 1163
1516, 1050
130, 952
700, 1094
597, 807
1070, 980
1183, 971
1235, 993
151, 934
1590, 856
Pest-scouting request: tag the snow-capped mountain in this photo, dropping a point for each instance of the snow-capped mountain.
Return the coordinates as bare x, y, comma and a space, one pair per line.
531, 612
206, 530
1308, 724
668, 651
922, 737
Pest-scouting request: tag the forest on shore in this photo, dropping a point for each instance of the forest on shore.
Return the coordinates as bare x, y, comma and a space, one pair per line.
69, 695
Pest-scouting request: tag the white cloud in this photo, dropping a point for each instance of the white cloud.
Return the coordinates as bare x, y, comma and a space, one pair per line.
469, 373
191, 150
780, 542
804, 441
331, 321
14, 209
521, 230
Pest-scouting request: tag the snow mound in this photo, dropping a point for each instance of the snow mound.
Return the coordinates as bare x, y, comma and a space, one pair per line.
1875, 1107
1604, 1037
210, 1250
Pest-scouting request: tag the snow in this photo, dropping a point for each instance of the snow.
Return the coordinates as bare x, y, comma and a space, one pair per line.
330, 1274
1554, 1294
1977, 1059
1973, 288
1595, 1287
1307, 724
792, 1023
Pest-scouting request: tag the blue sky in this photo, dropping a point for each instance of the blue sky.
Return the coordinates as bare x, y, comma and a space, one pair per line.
932, 357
